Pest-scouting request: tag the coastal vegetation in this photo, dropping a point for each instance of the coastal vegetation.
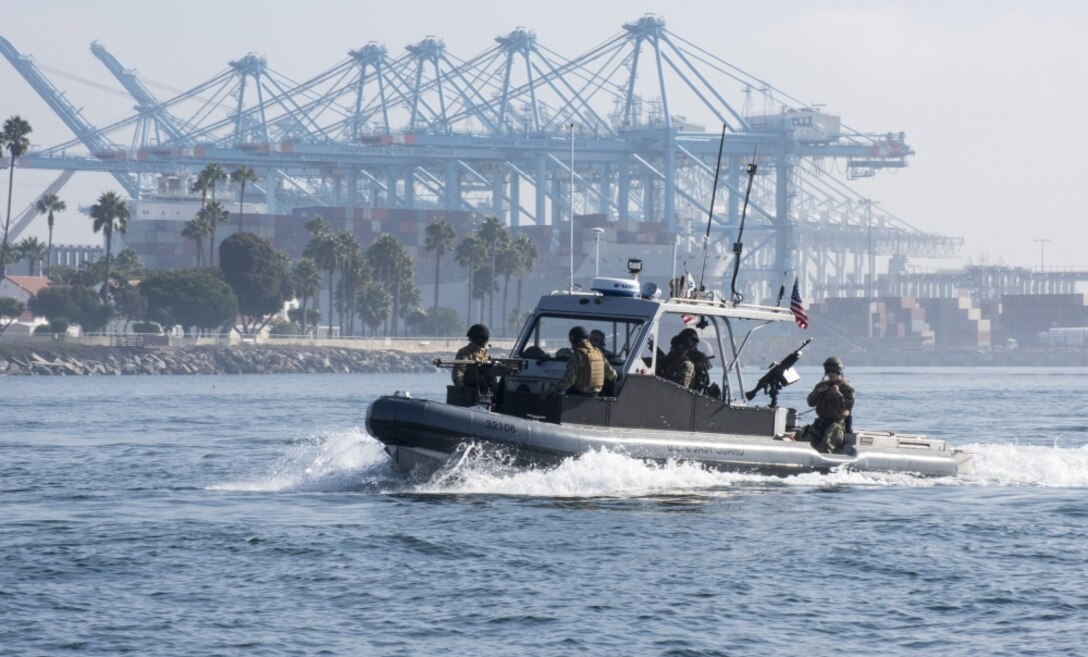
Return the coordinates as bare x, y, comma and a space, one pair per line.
10, 309
245, 283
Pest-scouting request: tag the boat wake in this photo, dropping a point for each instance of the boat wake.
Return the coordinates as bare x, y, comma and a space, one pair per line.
348, 460
607, 474
353, 461
1030, 465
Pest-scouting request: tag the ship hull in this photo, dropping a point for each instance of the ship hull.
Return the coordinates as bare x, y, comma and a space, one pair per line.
422, 435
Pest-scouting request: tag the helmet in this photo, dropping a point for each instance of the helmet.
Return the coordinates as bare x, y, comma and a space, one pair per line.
690, 334
833, 364
478, 332
578, 334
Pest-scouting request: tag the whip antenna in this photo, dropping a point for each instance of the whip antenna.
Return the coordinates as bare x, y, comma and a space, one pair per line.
738, 246
781, 290
571, 192
710, 213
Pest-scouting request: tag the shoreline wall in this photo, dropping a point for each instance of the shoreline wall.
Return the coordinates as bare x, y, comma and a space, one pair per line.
73, 360
65, 359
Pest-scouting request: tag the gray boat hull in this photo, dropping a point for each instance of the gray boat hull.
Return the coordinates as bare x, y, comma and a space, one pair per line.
422, 435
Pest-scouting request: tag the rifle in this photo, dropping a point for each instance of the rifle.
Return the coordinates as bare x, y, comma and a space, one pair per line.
778, 376
491, 366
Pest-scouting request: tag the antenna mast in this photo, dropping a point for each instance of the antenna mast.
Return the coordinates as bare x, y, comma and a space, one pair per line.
738, 246
571, 201
710, 213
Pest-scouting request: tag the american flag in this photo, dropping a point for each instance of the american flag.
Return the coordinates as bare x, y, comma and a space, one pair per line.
689, 293
689, 286
796, 307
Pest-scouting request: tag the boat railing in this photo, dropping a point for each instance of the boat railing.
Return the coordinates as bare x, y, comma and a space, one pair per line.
718, 302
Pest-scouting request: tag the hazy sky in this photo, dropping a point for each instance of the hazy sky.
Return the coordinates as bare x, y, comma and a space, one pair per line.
991, 94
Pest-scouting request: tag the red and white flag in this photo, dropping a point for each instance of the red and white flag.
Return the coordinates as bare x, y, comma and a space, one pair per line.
797, 307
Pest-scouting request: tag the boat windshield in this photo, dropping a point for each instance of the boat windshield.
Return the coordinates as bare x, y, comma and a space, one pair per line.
547, 336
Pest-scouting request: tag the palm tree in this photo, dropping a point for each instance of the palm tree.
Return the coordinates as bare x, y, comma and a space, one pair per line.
470, 255
202, 183
439, 238
492, 233
197, 229
213, 215
11, 254
308, 284
50, 203
322, 249
243, 175
215, 175
374, 305
527, 255
33, 250
316, 250
392, 269
353, 273
110, 214
507, 264
17, 142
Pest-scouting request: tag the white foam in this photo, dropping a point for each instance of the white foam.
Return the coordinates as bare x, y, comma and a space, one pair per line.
1030, 465
606, 474
595, 474
341, 460
353, 460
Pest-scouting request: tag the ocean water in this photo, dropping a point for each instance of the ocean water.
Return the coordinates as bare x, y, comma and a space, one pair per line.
253, 515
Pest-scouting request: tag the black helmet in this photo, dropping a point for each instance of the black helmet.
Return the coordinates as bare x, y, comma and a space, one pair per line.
478, 332
833, 364
578, 334
690, 334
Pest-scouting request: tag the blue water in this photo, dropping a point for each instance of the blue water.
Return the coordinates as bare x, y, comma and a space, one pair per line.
252, 515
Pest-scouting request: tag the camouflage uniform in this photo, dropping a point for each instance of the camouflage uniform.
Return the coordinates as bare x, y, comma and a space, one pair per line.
681, 370
700, 362
676, 366
833, 406
587, 370
469, 375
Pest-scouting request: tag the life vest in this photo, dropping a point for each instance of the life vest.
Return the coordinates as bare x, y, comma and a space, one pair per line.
591, 377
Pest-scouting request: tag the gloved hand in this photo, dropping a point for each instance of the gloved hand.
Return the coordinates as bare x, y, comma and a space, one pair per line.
459, 384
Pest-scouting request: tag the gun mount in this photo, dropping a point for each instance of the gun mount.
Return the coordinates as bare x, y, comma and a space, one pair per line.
778, 376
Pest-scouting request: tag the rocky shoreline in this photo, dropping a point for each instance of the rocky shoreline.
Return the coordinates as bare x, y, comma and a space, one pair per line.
79, 360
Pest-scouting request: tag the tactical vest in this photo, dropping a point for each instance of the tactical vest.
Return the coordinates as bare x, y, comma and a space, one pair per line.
701, 380
591, 377
671, 363
472, 372
831, 405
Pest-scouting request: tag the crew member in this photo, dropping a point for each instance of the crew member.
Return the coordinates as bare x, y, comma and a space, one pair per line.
700, 379
587, 368
677, 366
597, 338
476, 349
833, 399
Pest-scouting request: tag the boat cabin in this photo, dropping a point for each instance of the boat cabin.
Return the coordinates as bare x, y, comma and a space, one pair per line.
638, 326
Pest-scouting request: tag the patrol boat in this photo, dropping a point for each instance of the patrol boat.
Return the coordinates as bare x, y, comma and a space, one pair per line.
643, 415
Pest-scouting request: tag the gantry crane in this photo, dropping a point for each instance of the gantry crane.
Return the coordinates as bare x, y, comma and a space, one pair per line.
494, 134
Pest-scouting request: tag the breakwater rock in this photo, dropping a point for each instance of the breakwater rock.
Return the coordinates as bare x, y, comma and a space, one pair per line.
81, 360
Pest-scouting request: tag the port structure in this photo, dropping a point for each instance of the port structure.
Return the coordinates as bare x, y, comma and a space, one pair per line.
494, 134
